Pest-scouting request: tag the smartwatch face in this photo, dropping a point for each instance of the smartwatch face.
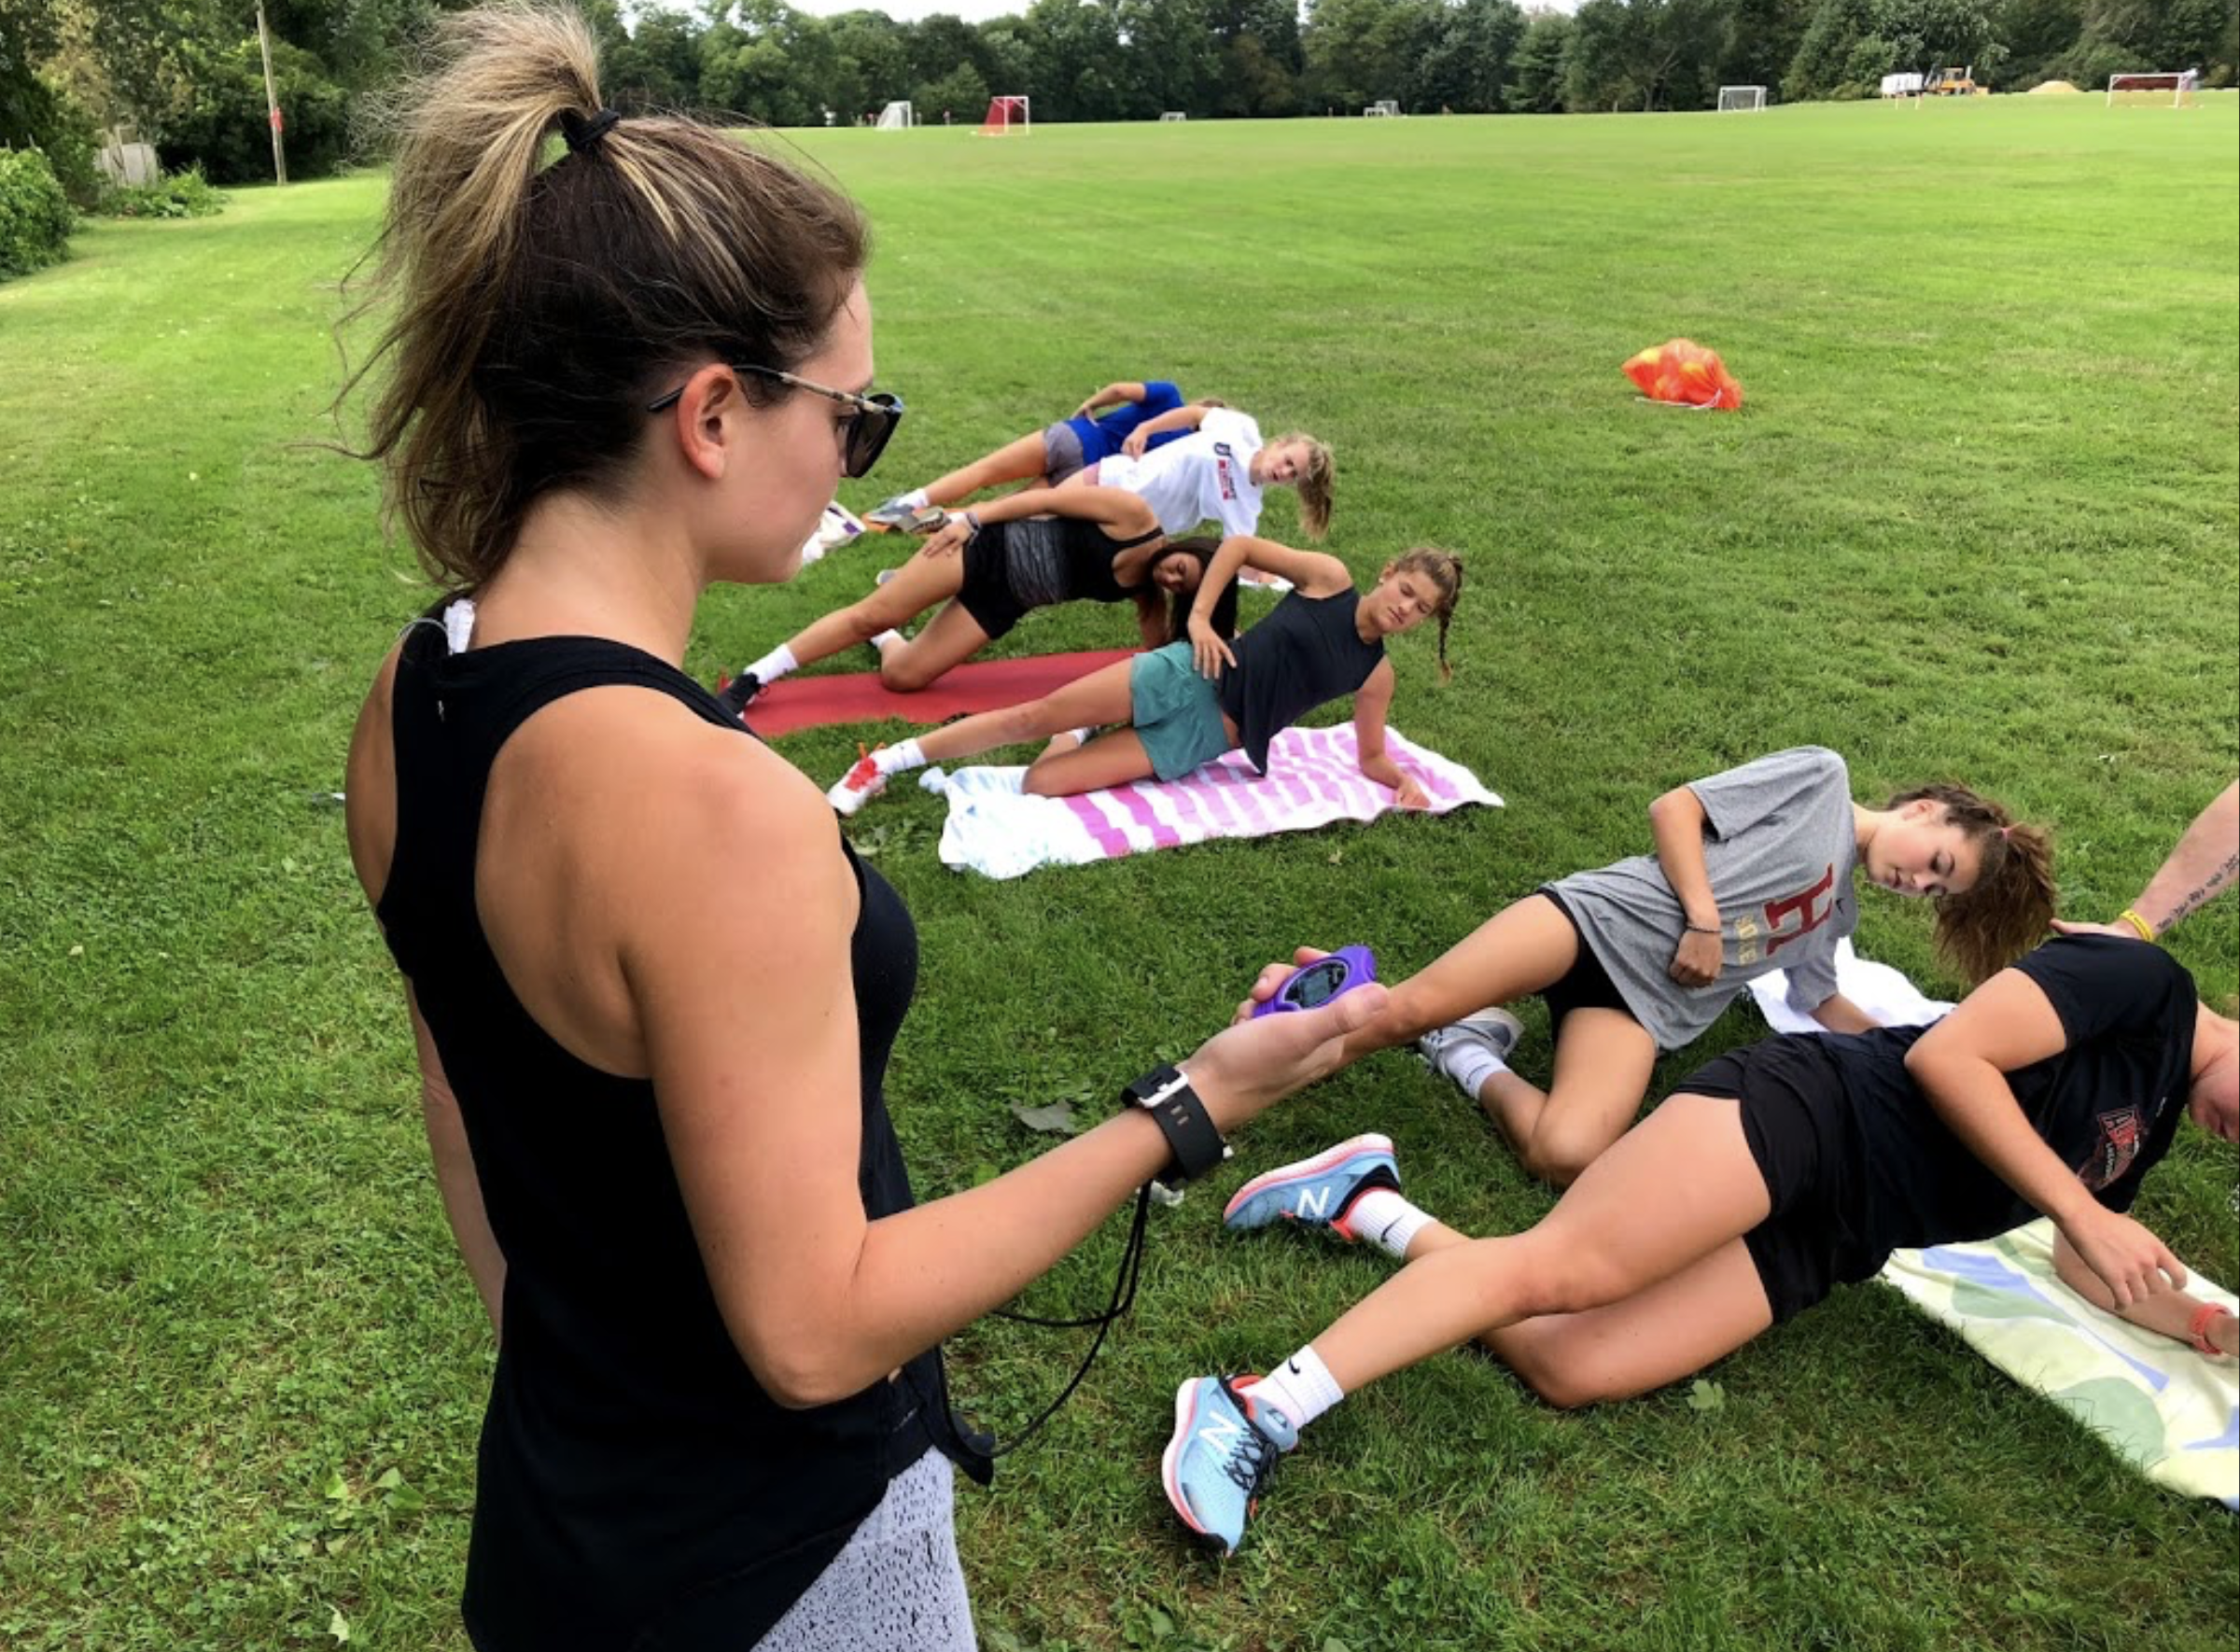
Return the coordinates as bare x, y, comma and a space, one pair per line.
1317, 984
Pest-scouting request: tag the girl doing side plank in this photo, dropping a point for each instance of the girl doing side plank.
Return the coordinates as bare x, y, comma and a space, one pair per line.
1773, 1174
1056, 452
990, 567
719, 1417
1753, 872
1219, 472
1184, 705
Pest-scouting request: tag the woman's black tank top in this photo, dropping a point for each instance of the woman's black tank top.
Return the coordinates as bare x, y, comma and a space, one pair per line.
635, 1487
1052, 559
1304, 653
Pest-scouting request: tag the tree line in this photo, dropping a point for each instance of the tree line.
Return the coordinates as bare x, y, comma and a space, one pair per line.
188, 74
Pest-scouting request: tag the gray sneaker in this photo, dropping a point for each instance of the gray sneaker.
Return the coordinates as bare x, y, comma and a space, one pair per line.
1493, 1031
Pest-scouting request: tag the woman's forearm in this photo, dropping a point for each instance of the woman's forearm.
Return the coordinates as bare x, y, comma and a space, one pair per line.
1677, 822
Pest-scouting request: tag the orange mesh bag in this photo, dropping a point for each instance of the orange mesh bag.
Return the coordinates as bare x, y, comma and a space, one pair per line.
1685, 374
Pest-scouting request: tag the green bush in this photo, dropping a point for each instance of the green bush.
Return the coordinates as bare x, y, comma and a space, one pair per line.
38, 114
225, 130
35, 218
175, 195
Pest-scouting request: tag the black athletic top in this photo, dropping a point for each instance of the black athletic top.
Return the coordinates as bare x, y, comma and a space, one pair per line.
635, 1487
1304, 653
2109, 1103
1039, 561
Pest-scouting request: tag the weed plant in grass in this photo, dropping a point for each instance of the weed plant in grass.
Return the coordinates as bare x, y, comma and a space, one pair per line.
1979, 520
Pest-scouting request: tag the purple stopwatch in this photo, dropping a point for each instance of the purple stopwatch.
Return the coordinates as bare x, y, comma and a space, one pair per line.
1311, 985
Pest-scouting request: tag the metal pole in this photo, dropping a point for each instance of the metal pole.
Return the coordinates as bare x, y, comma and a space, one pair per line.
271, 97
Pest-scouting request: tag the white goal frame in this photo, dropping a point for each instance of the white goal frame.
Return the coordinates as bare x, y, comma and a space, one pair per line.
1742, 100
2184, 86
1009, 114
1167, 115
1384, 109
896, 117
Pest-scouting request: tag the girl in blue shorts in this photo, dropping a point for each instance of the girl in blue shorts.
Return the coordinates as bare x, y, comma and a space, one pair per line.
1186, 704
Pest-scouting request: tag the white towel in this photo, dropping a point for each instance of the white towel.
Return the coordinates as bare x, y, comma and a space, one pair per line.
1313, 777
1876, 988
2172, 1414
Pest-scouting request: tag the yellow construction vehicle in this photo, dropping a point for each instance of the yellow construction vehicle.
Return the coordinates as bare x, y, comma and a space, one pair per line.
1958, 82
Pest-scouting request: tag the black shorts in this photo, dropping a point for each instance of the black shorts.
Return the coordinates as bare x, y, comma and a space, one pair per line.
1584, 986
1797, 1118
986, 594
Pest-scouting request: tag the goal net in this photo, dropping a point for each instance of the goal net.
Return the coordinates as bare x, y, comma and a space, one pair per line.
2172, 90
1384, 108
1006, 117
1165, 115
894, 116
1747, 98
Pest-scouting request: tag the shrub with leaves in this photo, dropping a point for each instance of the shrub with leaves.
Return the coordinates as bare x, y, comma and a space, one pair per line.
174, 195
35, 218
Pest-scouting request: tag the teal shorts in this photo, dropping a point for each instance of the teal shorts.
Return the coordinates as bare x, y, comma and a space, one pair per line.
1176, 712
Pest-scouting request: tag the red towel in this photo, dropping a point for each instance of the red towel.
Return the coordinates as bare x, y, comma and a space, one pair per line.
978, 685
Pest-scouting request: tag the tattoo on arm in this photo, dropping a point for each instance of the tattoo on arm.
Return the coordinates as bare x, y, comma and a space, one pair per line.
2203, 892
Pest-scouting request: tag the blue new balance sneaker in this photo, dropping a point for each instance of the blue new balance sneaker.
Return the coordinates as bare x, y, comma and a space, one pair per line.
1223, 1448
1316, 1192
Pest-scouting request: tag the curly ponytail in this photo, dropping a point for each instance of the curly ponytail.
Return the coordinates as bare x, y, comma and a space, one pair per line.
531, 304
2007, 911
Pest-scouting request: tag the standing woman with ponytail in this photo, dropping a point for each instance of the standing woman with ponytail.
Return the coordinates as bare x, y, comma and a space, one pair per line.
624, 360
1752, 872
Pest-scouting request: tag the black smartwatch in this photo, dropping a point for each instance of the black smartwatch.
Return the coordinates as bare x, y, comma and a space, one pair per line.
1192, 1137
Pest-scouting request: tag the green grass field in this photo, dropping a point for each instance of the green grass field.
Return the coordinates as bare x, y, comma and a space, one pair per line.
1978, 519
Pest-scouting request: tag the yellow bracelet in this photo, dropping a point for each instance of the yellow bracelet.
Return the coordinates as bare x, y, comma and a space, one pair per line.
2145, 929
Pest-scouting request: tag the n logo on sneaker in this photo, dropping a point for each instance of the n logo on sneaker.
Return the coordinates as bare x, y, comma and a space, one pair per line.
1315, 1202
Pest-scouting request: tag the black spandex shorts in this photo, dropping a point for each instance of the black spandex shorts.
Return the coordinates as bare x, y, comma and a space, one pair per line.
1584, 986
1796, 1116
986, 594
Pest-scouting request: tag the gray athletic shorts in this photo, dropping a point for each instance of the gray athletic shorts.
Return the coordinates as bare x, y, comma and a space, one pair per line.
1061, 452
1176, 713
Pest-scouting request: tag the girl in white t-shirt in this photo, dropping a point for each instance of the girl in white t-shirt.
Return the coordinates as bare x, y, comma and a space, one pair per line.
1217, 473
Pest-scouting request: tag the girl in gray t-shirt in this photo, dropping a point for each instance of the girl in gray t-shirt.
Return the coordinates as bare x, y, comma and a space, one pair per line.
1752, 872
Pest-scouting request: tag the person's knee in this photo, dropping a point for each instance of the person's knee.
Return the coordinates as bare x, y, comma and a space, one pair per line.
1569, 1273
1039, 781
1557, 1374
1563, 1145
899, 672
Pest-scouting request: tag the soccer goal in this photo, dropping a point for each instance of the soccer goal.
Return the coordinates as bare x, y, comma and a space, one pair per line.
1747, 99
1007, 116
1167, 115
1384, 108
2170, 90
895, 117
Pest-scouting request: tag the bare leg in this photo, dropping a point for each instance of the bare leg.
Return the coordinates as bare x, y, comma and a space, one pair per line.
1605, 1059
1015, 461
949, 638
1516, 951
916, 587
1101, 698
1669, 1330
1670, 1193
1109, 759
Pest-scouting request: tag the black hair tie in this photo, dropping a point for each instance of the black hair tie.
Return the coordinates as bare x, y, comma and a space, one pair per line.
584, 135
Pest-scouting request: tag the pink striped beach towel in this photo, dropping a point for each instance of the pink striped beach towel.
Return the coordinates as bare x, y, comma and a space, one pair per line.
1312, 779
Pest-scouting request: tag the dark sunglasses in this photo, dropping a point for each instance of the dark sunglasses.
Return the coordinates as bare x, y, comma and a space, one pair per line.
863, 434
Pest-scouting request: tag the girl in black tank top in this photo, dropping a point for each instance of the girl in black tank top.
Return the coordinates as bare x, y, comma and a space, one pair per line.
984, 568
654, 992
1187, 702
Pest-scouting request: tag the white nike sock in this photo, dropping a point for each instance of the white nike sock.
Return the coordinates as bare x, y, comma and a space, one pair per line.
1301, 1388
774, 664
898, 759
1469, 1063
886, 640
915, 498
1386, 1221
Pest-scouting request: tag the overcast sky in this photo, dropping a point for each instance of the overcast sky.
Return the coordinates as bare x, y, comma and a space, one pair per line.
972, 11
